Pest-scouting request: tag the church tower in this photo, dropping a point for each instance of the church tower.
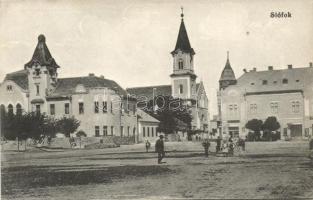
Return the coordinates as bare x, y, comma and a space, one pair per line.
183, 76
228, 76
42, 75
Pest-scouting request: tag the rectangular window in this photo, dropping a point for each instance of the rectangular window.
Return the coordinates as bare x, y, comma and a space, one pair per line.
264, 82
128, 131
143, 132
38, 109
111, 107
67, 108
122, 131
96, 107
148, 131
253, 108
181, 89
37, 90
152, 131
52, 109
97, 131
274, 107
104, 106
156, 132
81, 108
105, 130
134, 109
9, 88
112, 130
295, 106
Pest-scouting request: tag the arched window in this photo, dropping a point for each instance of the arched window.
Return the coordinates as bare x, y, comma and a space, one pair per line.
10, 109
18, 109
180, 64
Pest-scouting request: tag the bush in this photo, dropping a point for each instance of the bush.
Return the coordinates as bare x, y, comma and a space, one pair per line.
81, 133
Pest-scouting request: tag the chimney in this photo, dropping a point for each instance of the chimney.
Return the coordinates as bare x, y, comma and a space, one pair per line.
91, 74
289, 66
102, 76
311, 64
270, 68
245, 70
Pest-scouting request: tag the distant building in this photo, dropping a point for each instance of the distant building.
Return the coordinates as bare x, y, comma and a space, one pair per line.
147, 127
183, 83
286, 94
100, 104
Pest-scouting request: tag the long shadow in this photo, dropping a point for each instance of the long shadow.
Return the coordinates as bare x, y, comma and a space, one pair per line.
148, 157
24, 178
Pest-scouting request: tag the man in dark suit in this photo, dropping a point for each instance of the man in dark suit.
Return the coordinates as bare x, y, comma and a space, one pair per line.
159, 148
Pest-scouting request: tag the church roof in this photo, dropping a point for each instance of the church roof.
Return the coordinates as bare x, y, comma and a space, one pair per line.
228, 73
182, 42
67, 86
18, 77
164, 90
160, 90
42, 55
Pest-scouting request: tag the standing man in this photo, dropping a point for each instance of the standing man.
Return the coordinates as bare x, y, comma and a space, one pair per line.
147, 145
159, 148
206, 144
218, 144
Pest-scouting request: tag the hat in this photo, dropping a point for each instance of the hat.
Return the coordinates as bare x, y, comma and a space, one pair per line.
161, 136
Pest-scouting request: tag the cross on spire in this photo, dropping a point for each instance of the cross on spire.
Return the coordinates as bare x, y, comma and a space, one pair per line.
182, 12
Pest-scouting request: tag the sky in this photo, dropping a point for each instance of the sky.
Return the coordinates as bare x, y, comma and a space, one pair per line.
130, 41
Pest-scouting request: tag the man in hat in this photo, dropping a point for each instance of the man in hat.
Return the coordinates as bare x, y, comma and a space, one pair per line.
159, 148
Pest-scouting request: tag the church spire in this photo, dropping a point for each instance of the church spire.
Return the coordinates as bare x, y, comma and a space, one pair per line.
182, 42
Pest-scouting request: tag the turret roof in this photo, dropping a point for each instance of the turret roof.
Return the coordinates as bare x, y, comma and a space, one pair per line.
42, 55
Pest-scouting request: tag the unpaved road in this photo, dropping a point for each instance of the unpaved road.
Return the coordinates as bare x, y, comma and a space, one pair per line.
266, 170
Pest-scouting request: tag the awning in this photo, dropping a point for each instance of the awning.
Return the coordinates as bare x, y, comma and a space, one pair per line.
37, 101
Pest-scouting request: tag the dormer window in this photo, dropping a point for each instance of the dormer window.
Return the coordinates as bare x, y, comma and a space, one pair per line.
285, 81
180, 64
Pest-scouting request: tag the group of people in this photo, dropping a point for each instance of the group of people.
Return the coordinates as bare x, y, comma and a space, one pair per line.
224, 146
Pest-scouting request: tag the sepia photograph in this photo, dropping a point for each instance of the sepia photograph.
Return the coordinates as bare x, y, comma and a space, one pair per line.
156, 99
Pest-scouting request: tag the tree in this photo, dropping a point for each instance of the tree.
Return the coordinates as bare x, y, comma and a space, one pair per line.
67, 125
170, 112
81, 133
269, 126
256, 126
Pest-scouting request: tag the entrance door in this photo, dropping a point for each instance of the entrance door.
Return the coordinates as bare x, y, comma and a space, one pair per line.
233, 131
296, 130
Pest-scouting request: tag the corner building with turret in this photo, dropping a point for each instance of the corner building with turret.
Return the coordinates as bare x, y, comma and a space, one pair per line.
286, 94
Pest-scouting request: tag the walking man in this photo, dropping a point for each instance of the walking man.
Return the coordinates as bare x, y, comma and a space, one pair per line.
159, 148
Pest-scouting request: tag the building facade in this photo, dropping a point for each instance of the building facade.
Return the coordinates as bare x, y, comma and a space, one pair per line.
286, 94
183, 83
100, 104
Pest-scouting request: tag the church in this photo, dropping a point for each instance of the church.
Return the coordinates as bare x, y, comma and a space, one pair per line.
285, 93
183, 83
